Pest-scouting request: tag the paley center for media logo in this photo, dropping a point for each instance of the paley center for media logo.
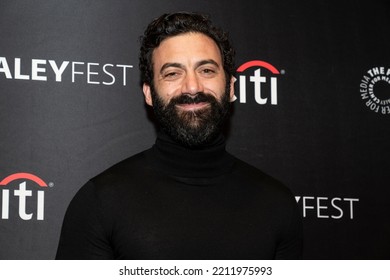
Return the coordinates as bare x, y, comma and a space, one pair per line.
375, 88
260, 79
25, 190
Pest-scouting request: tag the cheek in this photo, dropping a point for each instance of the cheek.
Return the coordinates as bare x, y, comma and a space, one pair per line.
215, 88
167, 91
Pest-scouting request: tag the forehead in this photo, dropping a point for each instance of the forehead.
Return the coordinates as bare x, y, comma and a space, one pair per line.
186, 48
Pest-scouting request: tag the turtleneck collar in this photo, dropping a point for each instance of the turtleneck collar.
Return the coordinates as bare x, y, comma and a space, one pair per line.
208, 161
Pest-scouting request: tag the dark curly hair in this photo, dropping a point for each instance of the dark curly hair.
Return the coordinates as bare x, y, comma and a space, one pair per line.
169, 25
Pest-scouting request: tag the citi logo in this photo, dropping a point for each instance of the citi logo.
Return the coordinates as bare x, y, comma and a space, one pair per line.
265, 84
24, 196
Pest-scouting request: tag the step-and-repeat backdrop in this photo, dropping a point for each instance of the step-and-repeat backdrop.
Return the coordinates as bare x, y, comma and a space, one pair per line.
313, 110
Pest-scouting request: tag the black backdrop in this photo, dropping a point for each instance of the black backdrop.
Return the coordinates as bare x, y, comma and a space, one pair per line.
71, 106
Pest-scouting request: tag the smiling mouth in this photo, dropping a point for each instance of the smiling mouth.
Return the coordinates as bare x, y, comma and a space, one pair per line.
192, 106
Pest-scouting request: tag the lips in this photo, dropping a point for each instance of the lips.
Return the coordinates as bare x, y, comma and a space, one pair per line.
199, 97
193, 106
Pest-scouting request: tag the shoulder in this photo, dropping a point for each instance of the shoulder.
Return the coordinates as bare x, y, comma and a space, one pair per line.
250, 172
261, 183
113, 187
116, 180
137, 161
124, 170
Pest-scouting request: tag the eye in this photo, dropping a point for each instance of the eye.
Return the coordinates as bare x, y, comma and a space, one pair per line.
171, 75
208, 72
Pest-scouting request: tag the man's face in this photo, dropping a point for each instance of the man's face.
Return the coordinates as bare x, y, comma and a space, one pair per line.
189, 95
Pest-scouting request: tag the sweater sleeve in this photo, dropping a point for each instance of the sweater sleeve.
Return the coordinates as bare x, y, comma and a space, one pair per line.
82, 233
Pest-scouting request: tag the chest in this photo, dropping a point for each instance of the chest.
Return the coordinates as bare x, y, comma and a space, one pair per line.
172, 222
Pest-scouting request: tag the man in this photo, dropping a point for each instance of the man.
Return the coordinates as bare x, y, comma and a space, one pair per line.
186, 197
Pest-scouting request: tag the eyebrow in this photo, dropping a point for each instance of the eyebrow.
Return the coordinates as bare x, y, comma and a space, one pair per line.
181, 66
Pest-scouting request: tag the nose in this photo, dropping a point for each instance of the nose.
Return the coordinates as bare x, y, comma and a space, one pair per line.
192, 84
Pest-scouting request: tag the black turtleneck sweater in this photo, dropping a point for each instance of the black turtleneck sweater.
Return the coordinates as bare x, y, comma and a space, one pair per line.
170, 202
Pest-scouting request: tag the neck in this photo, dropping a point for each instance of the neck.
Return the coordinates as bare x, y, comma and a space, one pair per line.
210, 160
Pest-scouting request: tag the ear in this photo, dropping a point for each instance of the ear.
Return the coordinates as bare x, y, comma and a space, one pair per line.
147, 94
231, 94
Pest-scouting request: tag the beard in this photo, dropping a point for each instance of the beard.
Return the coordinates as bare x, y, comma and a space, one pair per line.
192, 128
